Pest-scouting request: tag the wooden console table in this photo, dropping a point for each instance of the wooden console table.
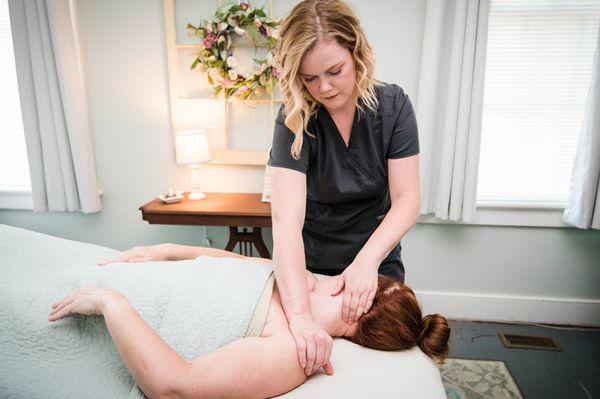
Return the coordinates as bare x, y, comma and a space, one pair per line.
219, 209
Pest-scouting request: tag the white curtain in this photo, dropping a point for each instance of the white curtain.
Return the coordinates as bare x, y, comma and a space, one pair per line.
449, 106
53, 104
583, 206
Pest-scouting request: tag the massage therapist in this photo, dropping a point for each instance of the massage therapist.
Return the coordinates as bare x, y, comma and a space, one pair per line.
345, 170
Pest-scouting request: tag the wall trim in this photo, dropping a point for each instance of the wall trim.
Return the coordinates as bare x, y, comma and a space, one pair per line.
534, 216
15, 198
511, 308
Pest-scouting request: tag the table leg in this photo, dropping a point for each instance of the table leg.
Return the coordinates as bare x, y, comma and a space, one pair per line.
247, 239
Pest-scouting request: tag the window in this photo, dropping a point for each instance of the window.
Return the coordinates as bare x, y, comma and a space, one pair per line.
14, 169
539, 62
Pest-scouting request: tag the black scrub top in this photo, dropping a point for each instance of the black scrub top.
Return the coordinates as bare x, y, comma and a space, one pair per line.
347, 187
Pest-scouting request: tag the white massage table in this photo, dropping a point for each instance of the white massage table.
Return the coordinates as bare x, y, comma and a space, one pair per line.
365, 373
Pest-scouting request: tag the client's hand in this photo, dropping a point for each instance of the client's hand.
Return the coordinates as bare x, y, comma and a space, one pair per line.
86, 301
359, 283
313, 343
141, 254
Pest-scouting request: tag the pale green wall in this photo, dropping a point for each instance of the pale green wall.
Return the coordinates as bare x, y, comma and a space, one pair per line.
126, 75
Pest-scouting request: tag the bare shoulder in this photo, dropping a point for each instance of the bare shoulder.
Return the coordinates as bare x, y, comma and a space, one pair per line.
261, 367
256, 367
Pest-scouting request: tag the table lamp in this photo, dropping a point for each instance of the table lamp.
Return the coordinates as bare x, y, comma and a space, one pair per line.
192, 149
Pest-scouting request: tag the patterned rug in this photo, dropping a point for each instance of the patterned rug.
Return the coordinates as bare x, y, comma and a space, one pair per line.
478, 379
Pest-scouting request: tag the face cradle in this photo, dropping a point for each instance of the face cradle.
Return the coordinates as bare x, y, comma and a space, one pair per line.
328, 74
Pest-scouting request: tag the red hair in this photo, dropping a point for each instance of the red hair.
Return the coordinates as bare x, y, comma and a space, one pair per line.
395, 322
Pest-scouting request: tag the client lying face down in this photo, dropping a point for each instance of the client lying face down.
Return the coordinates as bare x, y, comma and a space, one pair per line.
262, 366
395, 321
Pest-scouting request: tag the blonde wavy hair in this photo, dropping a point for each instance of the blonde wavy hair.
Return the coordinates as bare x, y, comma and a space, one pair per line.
309, 22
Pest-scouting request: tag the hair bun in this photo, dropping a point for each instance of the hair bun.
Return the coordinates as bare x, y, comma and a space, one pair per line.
434, 337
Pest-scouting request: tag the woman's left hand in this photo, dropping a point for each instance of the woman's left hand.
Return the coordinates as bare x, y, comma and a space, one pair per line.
359, 283
86, 301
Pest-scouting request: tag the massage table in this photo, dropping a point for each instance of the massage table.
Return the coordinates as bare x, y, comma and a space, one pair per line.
358, 372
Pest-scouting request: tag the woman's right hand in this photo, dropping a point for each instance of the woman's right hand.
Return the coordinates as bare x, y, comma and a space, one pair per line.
141, 254
86, 301
313, 343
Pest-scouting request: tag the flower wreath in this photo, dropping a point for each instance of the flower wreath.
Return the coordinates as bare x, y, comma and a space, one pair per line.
217, 58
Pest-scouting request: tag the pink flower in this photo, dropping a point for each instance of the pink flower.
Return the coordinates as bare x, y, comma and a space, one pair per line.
210, 40
227, 84
272, 32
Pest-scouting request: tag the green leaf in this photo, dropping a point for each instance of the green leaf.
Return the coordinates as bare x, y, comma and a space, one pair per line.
254, 32
201, 33
195, 64
260, 12
224, 9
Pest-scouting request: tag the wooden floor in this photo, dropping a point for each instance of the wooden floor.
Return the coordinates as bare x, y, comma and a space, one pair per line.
572, 373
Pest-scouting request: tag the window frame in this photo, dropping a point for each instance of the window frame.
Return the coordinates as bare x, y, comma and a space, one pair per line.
504, 214
512, 213
16, 197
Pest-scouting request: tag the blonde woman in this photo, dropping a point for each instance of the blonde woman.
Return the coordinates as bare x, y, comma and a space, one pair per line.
345, 177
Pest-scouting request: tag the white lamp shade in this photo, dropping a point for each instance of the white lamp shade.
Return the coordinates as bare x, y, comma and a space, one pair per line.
191, 146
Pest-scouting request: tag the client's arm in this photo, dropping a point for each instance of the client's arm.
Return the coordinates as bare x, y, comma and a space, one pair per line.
251, 367
168, 251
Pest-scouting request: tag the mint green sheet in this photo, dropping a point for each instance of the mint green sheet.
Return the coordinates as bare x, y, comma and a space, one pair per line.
196, 306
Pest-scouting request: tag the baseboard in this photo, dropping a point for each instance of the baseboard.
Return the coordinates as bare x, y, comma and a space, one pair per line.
508, 308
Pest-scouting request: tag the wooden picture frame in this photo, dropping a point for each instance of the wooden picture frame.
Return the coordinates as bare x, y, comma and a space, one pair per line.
192, 111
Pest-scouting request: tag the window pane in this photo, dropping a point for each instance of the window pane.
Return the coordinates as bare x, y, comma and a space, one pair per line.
539, 60
14, 170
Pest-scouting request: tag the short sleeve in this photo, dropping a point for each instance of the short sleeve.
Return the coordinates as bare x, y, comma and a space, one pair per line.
405, 136
281, 149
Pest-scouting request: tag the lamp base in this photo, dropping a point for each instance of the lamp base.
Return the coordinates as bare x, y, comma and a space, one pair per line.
196, 188
196, 195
